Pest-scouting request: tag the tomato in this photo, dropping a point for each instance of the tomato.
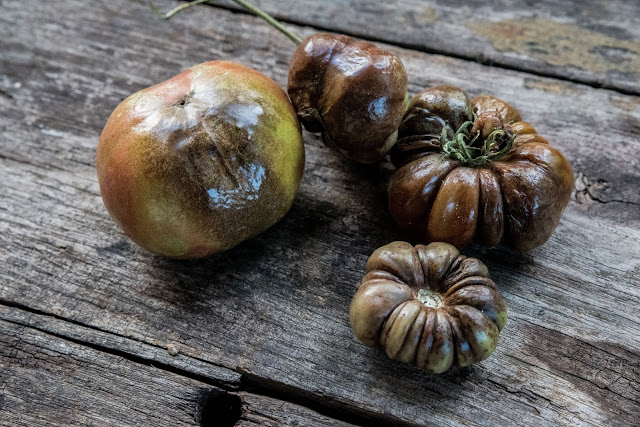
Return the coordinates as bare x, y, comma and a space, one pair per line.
473, 170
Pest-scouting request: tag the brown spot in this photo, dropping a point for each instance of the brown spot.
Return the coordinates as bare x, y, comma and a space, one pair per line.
627, 104
562, 44
427, 15
184, 100
552, 86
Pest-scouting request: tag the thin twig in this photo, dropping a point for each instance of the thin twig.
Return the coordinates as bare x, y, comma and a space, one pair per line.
277, 25
175, 10
245, 4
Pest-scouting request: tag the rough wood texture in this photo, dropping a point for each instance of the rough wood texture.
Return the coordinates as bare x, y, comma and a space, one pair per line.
46, 379
597, 42
167, 357
274, 309
267, 411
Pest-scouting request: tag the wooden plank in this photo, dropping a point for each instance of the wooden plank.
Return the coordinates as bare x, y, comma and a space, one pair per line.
275, 308
597, 43
167, 357
48, 380
266, 411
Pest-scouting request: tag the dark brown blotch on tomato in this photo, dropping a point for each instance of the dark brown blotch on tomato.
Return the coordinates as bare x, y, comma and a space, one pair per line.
433, 108
454, 213
430, 340
487, 103
351, 91
463, 350
401, 260
464, 268
534, 199
220, 175
442, 353
491, 210
475, 335
413, 188
436, 262
481, 297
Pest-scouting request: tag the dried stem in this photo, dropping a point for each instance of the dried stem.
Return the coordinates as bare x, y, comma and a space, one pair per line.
250, 7
175, 10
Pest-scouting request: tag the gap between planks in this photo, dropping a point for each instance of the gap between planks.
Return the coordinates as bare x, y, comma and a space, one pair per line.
480, 59
236, 382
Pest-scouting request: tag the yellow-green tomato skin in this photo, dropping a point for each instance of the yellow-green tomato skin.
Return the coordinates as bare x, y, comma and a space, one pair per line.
201, 162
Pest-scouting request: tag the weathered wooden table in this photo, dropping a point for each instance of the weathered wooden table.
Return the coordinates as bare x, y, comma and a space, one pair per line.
94, 330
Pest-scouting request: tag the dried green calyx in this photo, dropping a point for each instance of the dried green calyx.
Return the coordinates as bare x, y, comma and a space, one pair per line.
472, 147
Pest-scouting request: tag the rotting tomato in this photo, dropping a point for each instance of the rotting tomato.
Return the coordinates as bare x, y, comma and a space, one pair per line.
352, 91
474, 170
201, 162
428, 305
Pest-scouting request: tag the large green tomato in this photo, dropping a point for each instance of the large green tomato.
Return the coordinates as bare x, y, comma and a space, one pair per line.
201, 162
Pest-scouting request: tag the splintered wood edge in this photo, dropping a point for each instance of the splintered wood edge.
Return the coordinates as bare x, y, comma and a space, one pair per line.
57, 381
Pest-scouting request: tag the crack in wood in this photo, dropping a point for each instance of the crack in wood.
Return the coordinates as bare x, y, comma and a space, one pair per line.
55, 381
480, 58
319, 403
212, 404
129, 356
227, 381
587, 190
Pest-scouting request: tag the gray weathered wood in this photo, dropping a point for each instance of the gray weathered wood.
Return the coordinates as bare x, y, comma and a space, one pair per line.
275, 308
48, 380
595, 42
167, 357
266, 411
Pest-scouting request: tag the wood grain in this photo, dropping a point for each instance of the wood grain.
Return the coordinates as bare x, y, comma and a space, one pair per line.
274, 309
597, 43
46, 379
167, 358
266, 411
